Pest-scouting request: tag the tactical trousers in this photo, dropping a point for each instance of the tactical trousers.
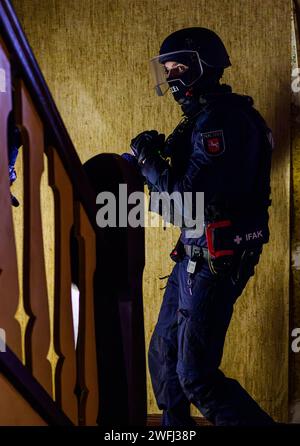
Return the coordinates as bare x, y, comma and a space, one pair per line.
187, 345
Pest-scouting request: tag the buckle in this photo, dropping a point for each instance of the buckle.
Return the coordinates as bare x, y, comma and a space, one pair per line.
193, 251
196, 252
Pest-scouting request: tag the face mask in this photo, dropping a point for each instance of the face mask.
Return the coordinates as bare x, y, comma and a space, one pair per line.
180, 92
207, 83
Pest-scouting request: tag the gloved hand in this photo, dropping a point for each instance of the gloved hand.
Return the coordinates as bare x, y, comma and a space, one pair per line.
147, 143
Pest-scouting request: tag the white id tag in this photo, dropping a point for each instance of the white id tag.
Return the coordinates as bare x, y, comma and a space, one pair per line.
191, 266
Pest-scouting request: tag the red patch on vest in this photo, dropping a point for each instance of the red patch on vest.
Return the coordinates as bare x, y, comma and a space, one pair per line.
213, 142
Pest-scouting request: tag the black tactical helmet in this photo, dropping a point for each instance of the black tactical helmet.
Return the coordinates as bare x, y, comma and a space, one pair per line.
201, 57
207, 43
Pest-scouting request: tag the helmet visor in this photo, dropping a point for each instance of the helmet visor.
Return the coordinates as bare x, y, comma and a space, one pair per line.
184, 66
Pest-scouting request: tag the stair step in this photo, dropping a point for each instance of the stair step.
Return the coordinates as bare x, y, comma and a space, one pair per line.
155, 420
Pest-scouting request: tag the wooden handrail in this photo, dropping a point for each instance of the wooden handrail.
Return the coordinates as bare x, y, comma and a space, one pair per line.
20, 377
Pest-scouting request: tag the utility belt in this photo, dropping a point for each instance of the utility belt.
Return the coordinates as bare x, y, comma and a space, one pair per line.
225, 240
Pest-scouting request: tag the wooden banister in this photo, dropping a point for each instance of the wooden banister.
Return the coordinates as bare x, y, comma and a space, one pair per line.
87, 377
110, 349
37, 337
43, 132
65, 374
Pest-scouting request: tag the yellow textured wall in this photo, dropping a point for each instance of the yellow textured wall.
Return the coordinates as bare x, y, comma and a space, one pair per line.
295, 220
94, 55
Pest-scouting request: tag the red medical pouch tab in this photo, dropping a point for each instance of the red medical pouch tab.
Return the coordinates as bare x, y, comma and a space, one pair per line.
219, 238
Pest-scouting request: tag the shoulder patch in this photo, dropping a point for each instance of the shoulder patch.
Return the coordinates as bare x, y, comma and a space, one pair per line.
213, 142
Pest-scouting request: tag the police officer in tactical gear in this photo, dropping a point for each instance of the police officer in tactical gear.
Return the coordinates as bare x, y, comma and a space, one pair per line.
222, 147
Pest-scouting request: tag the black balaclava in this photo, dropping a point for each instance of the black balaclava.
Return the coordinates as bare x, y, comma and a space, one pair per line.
207, 83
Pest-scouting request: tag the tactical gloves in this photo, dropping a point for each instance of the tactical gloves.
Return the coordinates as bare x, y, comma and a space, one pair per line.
147, 144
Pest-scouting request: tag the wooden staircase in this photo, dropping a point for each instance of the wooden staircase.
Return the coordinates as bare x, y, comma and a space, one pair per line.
103, 378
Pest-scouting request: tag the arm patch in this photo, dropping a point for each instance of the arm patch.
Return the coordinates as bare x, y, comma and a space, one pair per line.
213, 143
